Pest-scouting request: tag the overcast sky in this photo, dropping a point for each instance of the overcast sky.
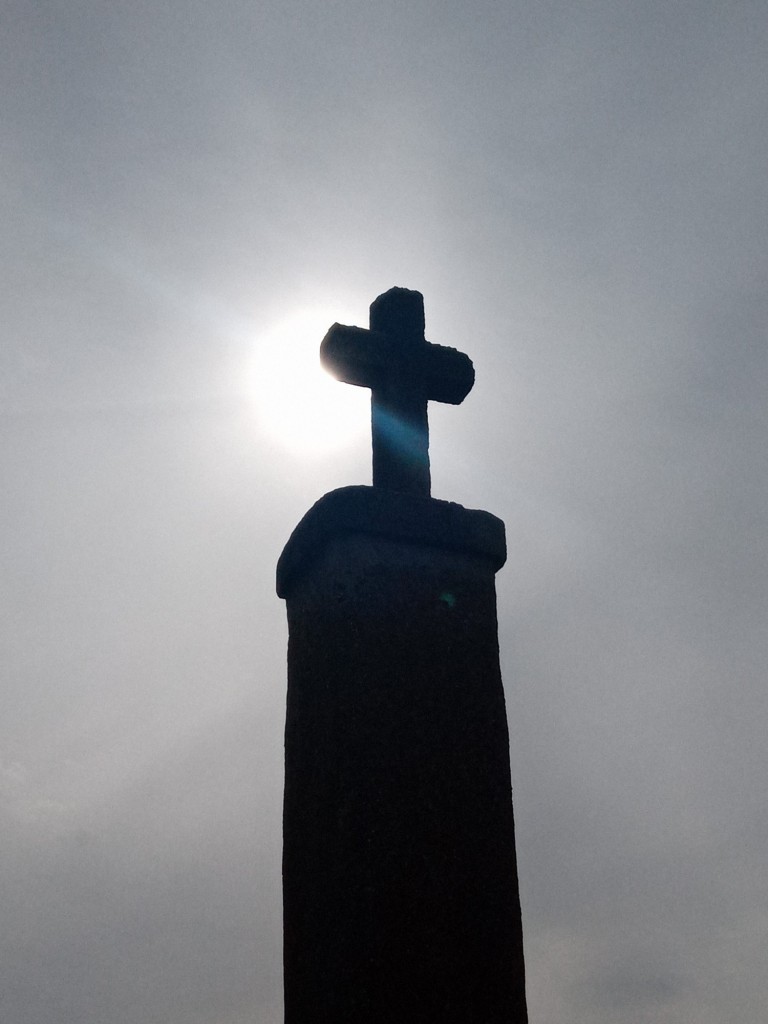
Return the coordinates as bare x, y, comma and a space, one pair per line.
191, 194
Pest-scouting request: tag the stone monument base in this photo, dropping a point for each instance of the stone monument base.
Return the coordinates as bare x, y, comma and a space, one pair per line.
401, 901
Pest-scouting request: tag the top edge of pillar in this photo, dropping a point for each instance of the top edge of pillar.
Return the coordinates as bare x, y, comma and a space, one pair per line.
391, 515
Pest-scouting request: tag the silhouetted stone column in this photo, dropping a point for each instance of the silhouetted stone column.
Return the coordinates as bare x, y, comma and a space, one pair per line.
399, 876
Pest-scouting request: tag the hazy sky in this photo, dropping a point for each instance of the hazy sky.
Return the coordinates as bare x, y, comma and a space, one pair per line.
191, 194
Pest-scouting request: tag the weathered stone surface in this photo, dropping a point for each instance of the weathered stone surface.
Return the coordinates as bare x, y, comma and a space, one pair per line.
393, 516
399, 874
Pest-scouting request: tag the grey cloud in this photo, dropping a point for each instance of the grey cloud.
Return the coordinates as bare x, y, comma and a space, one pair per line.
579, 192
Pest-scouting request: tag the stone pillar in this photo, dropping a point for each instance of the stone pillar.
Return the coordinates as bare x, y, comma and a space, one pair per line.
400, 886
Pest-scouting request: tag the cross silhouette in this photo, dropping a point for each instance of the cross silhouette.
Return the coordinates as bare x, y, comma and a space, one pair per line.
404, 372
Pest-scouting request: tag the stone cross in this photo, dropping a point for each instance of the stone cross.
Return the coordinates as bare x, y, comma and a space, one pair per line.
404, 372
400, 896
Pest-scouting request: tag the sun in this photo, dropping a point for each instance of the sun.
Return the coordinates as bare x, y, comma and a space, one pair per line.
298, 404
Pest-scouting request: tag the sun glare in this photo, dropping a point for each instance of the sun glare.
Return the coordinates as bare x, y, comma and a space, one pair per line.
297, 402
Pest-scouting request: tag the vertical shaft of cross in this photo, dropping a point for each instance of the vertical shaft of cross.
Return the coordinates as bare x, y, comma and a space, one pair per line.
400, 439
399, 426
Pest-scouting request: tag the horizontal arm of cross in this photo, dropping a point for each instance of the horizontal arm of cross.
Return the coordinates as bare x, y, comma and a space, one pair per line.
372, 359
